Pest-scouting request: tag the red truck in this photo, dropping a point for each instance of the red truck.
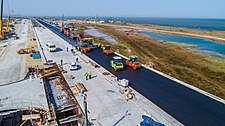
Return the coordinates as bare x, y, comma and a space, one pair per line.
66, 31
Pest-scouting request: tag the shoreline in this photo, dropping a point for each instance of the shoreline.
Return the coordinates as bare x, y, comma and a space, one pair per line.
141, 27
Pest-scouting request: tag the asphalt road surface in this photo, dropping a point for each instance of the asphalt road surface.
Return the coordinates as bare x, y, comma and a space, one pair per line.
184, 104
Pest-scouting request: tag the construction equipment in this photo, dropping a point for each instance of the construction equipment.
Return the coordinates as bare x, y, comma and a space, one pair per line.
70, 25
1, 22
80, 87
79, 37
107, 49
26, 51
124, 83
127, 92
73, 36
66, 31
62, 29
133, 62
84, 47
89, 41
116, 63
7, 25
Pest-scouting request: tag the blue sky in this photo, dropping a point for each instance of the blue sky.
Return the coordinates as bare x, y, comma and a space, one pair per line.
112, 8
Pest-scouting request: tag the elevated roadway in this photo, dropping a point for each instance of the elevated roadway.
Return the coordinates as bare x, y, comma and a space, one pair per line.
184, 104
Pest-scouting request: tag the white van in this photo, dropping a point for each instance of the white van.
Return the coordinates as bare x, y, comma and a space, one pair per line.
51, 47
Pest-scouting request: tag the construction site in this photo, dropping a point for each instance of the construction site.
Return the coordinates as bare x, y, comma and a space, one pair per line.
61, 72
48, 83
47, 91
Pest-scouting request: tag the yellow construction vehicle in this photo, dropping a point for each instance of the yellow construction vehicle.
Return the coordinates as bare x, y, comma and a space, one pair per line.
7, 25
1, 22
26, 51
2, 32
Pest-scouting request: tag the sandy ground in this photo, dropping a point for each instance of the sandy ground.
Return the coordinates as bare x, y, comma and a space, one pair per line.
20, 94
94, 32
12, 65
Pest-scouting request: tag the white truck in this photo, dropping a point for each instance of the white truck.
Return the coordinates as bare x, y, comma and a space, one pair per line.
51, 47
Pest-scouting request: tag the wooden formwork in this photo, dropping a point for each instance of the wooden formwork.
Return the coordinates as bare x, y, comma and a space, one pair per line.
61, 114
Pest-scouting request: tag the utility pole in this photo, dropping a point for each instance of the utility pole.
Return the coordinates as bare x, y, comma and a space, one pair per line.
1, 21
62, 20
85, 108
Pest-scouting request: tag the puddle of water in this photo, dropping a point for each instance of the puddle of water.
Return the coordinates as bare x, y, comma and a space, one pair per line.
94, 32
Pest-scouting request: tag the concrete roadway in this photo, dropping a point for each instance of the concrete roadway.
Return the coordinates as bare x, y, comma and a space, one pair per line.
105, 104
184, 104
11, 64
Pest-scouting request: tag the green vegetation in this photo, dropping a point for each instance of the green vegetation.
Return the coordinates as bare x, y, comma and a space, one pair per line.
118, 47
202, 71
81, 28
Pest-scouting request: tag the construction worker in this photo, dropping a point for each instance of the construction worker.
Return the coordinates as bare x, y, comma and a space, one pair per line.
72, 50
86, 75
89, 74
61, 62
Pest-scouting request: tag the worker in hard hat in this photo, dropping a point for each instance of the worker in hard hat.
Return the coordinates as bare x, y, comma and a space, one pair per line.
89, 74
86, 75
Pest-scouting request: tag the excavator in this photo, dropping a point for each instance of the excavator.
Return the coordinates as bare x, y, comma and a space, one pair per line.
133, 62
107, 49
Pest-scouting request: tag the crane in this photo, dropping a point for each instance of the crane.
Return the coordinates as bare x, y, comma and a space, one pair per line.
1, 22
7, 25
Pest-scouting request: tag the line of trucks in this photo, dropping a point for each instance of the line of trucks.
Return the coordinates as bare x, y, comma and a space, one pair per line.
86, 43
